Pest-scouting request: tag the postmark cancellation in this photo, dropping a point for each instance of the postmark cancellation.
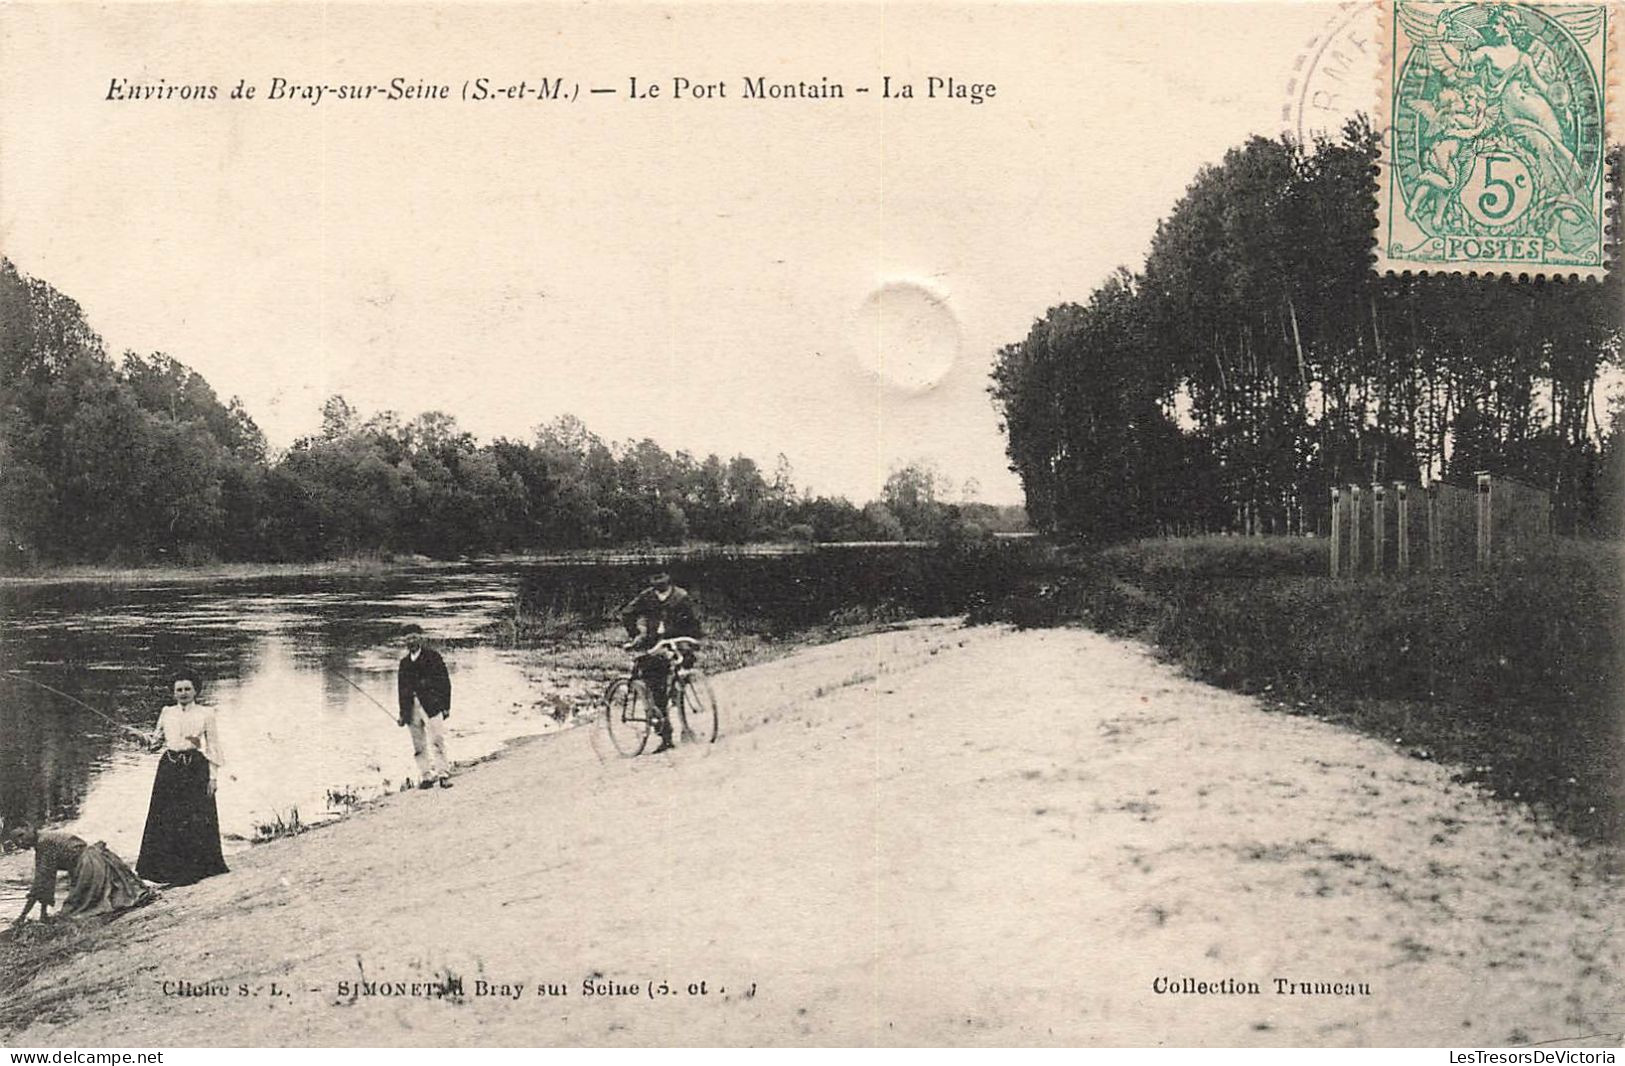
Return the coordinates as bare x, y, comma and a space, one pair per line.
1498, 115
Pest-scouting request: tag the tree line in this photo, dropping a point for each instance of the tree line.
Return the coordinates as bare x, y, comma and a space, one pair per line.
138, 460
1255, 360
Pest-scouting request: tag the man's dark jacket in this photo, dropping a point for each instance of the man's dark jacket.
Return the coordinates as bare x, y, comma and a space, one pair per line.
674, 617
428, 681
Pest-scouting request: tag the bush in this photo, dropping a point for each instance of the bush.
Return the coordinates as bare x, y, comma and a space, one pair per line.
779, 594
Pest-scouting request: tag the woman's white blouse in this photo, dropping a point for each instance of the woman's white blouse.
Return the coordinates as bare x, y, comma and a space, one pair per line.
180, 725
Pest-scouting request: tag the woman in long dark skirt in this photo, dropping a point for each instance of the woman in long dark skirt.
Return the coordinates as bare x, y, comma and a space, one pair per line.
181, 843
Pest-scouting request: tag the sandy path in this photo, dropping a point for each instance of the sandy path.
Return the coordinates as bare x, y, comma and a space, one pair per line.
937, 835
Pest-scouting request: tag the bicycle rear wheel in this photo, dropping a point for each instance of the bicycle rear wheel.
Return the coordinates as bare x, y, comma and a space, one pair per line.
627, 715
697, 704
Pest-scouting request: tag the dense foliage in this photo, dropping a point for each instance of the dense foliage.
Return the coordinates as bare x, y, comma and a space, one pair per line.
139, 460
1256, 360
783, 596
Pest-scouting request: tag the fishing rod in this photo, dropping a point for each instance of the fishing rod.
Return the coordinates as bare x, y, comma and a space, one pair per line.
393, 717
145, 738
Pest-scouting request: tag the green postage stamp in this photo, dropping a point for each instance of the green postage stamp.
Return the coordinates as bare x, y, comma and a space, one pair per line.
1498, 114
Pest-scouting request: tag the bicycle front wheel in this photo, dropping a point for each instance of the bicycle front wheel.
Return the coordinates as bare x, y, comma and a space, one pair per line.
697, 704
627, 716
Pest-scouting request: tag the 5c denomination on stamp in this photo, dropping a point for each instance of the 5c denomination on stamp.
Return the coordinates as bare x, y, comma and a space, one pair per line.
1499, 117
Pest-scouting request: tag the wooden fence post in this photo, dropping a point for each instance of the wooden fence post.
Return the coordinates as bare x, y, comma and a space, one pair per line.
1402, 491
1337, 529
1378, 530
1435, 540
1354, 528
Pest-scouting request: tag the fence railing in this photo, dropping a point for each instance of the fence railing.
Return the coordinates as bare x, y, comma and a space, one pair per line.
1380, 528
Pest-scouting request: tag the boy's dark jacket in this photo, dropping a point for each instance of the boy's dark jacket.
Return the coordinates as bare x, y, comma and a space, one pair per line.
428, 681
673, 618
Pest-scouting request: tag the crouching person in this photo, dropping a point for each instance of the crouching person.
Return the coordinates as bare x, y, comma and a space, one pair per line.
100, 883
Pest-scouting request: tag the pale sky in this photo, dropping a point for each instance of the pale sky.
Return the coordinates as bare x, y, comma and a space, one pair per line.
827, 279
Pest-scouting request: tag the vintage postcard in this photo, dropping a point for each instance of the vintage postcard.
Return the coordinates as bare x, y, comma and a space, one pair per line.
810, 524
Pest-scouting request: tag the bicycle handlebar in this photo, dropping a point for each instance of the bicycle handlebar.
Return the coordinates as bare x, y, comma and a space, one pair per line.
669, 644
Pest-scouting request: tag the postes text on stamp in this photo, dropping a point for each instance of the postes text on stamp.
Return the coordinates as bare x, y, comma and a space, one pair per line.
1499, 120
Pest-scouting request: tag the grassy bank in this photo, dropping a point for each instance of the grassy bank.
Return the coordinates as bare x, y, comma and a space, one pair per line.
754, 605
204, 572
784, 596
635, 559
1512, 672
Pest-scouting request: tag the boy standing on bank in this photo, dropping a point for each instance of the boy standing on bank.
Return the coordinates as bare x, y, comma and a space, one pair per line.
425, 697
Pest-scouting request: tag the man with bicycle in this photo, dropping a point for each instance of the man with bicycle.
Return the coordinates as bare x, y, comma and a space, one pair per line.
660, 612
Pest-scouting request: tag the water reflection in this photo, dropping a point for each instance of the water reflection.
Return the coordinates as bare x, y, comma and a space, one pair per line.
300, 670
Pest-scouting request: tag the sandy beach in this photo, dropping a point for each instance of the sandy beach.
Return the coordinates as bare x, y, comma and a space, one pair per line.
933, 835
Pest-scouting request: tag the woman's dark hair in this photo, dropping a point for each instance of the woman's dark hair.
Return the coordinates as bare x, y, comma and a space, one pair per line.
13, 835
187, 675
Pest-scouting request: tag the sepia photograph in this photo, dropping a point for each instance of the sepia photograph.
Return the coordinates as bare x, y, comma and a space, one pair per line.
812, 524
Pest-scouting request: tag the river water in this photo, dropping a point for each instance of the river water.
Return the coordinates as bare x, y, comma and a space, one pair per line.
292, 666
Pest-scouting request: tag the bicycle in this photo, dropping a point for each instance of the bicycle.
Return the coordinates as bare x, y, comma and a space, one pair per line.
630, 714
